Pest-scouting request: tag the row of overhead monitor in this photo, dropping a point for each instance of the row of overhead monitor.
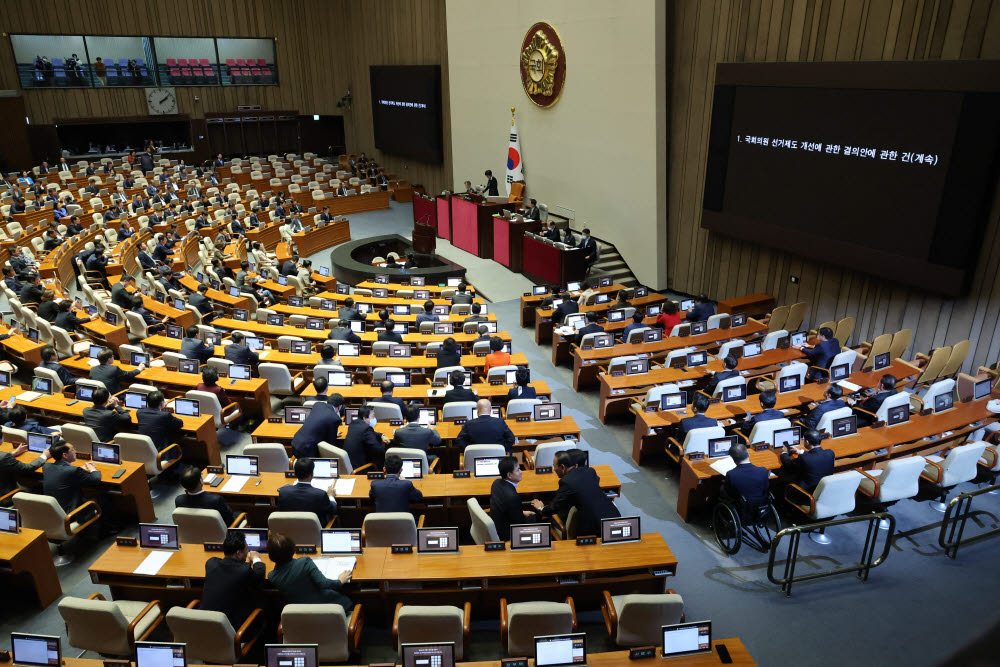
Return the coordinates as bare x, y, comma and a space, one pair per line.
567, 650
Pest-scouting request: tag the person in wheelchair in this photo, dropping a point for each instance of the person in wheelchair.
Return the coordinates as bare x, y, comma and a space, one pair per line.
745, 480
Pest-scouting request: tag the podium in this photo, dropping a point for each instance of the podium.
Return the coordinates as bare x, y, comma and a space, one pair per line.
472, 225
508, 240
547, 263
424, 238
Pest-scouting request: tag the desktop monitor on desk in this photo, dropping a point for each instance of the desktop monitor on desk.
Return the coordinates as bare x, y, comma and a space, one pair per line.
295, 301
697, 359
797, 338
400, 380
789, 383
10, 521
413, 468
286, 655
698, 328
734, 393
437, 540
637, 367
486, 466
568, 650
787, 436
752, 350
275, 320
135, 400
255, 343
840, 372
344, 541
187, 407
603, 341
428, 655
616, 316
300, 347
899, 414
982, 389
189, 366
544, 412
296, 414
881, 361
687, 304
35, 650
844, 426
158, 536
84, 392
239, 371
737, 320
357, 326
327, 304
719, 447
687, 638
242, 464
343, 289
326, 468
160, 654
616, 530
421, 294
256, 538
944, 402
418, 281
340, 379
106, 452
530, 536
673, 401
652, 336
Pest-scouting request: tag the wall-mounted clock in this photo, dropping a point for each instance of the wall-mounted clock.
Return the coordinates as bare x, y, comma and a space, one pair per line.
161, 101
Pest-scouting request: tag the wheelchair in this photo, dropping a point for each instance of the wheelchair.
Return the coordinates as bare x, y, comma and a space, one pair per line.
752, 522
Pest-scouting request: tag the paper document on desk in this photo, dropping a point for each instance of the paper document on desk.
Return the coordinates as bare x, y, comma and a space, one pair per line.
152, 563
564, 331
234, 483
345, 486
333, 567
849, 387
722, 466
322, 483
262, 354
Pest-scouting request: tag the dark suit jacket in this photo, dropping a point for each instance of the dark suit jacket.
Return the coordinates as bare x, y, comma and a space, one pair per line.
201, 302
491, 187
385, 398
302, 497
145, 260
241, 354
823, 353
206, 501
690, 423
874, 402
363, 444
301, 582
64, 482
446, 359
485, 430
812, 419
344, 334
10, 468
66, 320
459, 394
415, 436
462, 299
105, 421
231, 587
581, 488
719, 377
112, 376
525, 392
320, 426
589, 329
764, 416
162, 427
121, 296
563, 309
701, 311
195, 348
808, 468
390, 336
345, 313
31, 293
747, 480
506, 507
589, 246
393, 494
68, 379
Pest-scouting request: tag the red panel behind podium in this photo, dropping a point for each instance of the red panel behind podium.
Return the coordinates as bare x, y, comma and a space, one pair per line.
541, 260
424, 211
464, 225
444, 217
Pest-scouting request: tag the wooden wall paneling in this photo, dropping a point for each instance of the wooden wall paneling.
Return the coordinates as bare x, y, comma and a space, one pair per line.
712, 31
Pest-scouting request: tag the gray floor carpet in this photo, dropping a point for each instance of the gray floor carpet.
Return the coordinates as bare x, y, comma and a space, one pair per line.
916, 609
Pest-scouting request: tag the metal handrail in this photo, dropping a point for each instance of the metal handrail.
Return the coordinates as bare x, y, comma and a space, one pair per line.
862, 568
953, 525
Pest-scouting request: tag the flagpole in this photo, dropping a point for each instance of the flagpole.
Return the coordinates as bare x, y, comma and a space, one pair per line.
512, 116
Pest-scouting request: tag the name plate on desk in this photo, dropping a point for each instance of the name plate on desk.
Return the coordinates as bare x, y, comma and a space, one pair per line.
126, 541
437, 384
525, 418
213, 546
116, 663
215, 470
83, 456
526, 294
543, 470
462, 474
587, 347
274, 420
480, 354
926, 411
642, 652
586, 541
381, 354
878, 424
514, 662
289, 474
761, 446
494, 546
695, 456
305, 548
402, 548
376, 475
460, 422
395, 422
651, 408
494, 383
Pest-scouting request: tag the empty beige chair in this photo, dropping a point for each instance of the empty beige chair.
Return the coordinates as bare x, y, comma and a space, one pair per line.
197, 526
934, 365
778, 318
879, 346
209, 635
899, 479
140, 448
959, 351
696, 440
834, 495
109, 628
418, 624
44, 513
302, 527
325, 625
483, 528
81, 437
521, 622
271, 456
844, 330
328, 451
209, 404
387, 528
943, 473
636, 619
472, 452
900, 342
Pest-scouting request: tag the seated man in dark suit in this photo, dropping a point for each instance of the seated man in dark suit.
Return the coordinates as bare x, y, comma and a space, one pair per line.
239, 352
321, 425
886, 388
386, 388
194, 496
745, 480
111, 375
428, 314
18, 419
485, 429
393, 494
11, 468
592, 327
414, 435
348, 312
768, 399
153, 325
389, 333
342, 331
809, 467
161, 426
567, 307
531, 211
703, 309
106, 416
193, 347
458, 392
120, 295
362, 443
67, 319
698, 420
730, 362
65, 482
506, 508
476, 315
579, 487
304, 497
821, 355
833, 401
50, 360
462, 296
231, 586
201, 301
299, 580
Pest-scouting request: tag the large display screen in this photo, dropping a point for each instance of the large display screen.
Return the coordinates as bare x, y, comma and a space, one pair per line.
889, 179
406, 111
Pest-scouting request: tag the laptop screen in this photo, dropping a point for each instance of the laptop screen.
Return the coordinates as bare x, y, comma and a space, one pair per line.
687, 638
38, 442
981, 389
340, 541
539, 290
797, 338
94, 350
620, 529
674, 401
239, 371
530, 536
548, 412
135, 400
734, 393
719, 447
899, 414
10, 520
35, 650
486, 466
296, 414
559, 650
787, 436
428, 655
158, 536
881, 361
326, 468
106, 452
412, 469
844, 426
789, 383
241, 465
256, 538
187, 407
160, 654
437, 540
287, 655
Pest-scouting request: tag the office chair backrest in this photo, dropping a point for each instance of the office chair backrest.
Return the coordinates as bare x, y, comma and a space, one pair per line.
834, 495
483, 528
